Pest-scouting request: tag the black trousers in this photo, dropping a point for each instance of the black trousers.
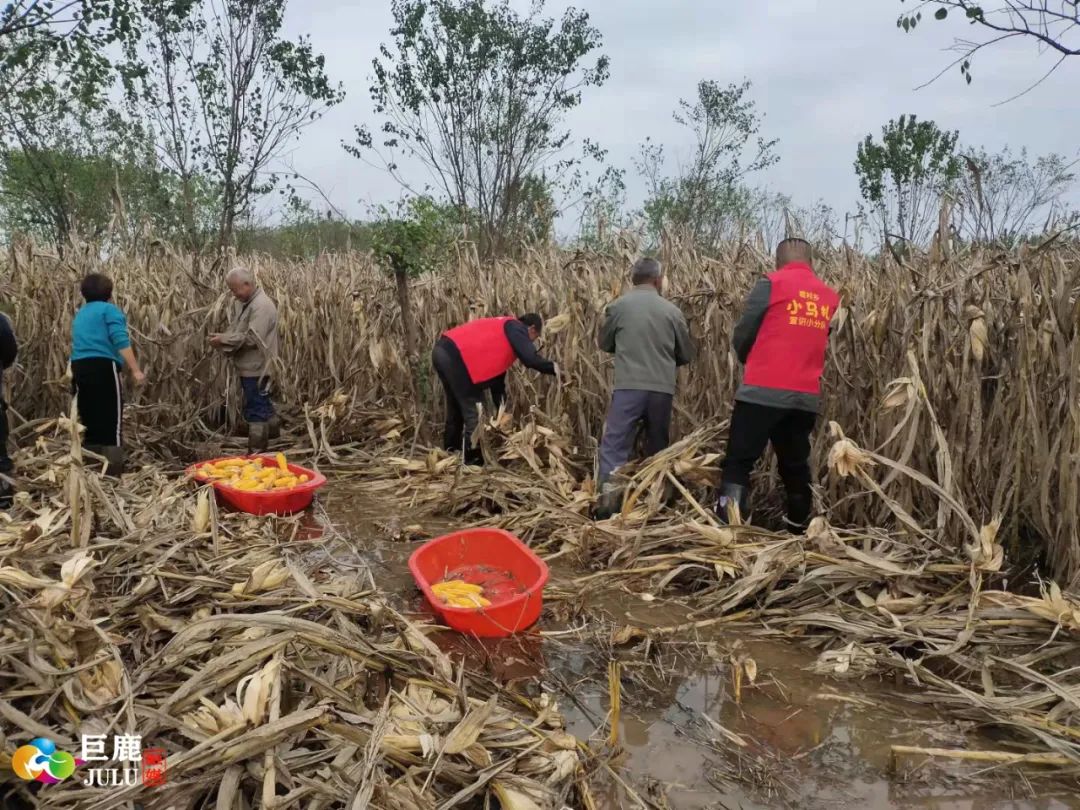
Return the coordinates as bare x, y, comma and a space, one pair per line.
463, 397
5, 460
100, 400
787, 429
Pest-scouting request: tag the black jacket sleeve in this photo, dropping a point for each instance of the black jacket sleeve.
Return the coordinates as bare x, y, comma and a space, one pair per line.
742, 339
9, 349
518, 335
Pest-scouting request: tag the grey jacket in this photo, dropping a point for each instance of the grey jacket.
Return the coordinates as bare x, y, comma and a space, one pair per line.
742, 341
252, 340
649, 337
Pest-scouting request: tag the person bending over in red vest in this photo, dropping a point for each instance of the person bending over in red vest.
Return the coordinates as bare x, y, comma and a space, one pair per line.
781, 340
475, 357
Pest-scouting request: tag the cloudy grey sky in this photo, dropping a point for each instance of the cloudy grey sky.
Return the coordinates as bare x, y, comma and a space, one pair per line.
825, 73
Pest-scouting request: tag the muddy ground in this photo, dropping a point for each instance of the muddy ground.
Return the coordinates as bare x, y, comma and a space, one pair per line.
686, 740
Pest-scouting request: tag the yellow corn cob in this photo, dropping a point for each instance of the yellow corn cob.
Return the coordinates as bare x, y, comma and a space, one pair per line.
457, 585
303, 479
285, 483
283, 465
467, 601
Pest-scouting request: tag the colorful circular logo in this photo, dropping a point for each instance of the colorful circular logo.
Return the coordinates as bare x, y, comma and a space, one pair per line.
41, 760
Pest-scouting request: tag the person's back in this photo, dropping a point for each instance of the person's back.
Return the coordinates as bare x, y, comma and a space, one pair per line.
647, 340
99, 330
788, 352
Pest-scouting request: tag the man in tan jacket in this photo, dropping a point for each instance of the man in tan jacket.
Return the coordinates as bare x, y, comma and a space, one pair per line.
252, 345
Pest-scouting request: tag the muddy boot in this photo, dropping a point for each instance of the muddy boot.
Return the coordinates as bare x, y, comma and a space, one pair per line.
97, 450
609, 502
7, 484
733, 496
114, 455
273, 427
474, 457
258, 437
799, 506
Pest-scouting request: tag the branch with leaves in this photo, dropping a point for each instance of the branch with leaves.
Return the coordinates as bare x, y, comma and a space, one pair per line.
1053, 24
475, 94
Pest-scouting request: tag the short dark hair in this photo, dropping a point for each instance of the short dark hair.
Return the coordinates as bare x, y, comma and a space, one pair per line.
645, 270
96, 287
533, 320
794, 250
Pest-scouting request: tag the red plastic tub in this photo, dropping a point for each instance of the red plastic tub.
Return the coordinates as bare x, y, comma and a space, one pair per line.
513, 578
285, 502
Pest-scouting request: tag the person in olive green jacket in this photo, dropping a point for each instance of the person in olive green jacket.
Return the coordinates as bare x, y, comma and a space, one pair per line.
251, 343
650, 339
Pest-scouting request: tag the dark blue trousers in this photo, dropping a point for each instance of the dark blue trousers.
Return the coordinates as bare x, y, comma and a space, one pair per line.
628, 409
257, 404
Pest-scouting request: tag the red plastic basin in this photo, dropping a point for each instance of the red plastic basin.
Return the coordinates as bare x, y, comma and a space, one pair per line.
512, 575
284, 502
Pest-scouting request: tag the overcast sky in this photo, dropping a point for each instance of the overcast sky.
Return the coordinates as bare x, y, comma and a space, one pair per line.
825, 74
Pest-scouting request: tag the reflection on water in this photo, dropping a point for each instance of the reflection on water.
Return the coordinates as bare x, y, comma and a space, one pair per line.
808, 741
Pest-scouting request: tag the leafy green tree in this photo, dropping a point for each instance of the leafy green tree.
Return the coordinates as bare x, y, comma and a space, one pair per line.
708, 195
476, 94
35, 36
304, 233
905, 176
1050, 24
407, 243
89, 175
56, 69
1005, 197
225, 93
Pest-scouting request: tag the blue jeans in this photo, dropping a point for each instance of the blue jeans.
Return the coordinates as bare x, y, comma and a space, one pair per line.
257, 404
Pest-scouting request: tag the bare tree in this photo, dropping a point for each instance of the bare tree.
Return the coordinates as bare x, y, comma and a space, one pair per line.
475, 94
1002, 197
171, 112
226, 94
707, 197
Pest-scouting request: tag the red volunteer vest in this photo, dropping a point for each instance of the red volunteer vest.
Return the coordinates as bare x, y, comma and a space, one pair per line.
789, 351
484, 347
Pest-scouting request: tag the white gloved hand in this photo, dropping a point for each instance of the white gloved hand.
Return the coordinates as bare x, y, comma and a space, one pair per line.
558, 375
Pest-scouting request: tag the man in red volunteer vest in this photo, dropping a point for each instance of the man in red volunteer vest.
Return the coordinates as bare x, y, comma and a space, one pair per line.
781, 338
475, 357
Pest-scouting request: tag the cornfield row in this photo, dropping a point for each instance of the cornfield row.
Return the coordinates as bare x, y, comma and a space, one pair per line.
965, 368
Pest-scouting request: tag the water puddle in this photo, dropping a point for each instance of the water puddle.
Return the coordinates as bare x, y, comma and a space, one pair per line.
692, 732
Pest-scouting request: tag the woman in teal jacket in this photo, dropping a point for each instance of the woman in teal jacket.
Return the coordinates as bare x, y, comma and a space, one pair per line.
100, 348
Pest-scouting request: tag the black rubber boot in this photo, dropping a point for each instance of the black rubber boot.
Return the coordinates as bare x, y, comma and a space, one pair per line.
474, 457
273, 427
7, 485
114, 455
733, 495
258, 437
799, 506
609, 502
